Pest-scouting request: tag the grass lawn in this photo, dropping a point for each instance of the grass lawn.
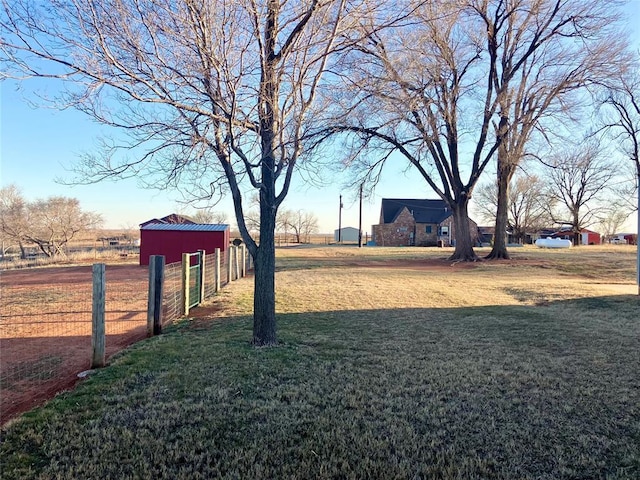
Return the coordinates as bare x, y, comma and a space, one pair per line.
393, 364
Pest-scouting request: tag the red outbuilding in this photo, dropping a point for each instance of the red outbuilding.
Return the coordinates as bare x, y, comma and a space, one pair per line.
587, 237
174, 239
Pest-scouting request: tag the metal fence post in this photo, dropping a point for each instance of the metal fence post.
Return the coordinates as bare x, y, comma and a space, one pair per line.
186, 263
228, 258
156, 287
217, 270
202, 277
98, 333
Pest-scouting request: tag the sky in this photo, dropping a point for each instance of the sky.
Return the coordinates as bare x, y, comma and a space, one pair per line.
39, 145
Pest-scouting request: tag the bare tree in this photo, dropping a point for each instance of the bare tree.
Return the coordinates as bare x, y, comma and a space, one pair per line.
13, 218
545, 50
414, 83
54, 222
527, 205
621, 114
214, 95
49, 224
578, 183
209, 216
308, 226
252, 216
301, 223
464, 81
622, 120
611, 220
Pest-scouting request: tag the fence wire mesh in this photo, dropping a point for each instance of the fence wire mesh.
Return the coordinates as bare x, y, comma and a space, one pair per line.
210, 273
45, 322
45, 328
172, 293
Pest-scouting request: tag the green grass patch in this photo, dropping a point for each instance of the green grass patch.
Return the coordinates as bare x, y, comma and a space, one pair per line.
380, 374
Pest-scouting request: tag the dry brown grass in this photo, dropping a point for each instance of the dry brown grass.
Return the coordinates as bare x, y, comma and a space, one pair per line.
348, 278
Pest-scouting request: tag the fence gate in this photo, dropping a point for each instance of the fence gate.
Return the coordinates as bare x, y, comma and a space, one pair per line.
192, 275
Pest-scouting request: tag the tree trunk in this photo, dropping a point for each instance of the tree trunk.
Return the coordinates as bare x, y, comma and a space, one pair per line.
46, 249
464, 241
505, 173
576, 230
264, 296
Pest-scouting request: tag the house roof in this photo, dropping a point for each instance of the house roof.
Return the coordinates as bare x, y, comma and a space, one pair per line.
186, 227
423, 211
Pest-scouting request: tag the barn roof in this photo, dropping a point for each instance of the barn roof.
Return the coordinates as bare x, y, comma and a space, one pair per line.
187, 227
423, 211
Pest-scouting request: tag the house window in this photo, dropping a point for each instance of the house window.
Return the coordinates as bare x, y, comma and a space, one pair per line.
427, 229
402, 229
444, 230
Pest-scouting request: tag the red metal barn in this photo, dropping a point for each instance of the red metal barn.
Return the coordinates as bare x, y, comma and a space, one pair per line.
590, 237
172, 240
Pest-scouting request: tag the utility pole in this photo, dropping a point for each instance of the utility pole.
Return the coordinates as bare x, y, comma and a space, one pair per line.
360, 221
340, 221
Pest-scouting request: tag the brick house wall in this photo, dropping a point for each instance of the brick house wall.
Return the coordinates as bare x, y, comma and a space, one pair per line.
404, 232
397, 234
427, 233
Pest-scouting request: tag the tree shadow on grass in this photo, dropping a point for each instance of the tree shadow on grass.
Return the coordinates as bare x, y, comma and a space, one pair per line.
518, 391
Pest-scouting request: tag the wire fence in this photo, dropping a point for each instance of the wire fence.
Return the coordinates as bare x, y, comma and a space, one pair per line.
215, 276
46, 322
172, 294
45, 328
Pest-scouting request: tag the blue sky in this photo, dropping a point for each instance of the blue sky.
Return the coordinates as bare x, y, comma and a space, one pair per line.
39, 145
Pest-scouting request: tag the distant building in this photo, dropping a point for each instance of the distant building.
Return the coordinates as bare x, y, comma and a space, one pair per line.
346, 234
587, 237
405, 222
624, 239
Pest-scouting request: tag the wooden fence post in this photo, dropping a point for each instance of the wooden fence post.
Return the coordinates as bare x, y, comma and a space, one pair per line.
98, 341
156, 287
186, 263
236, 262
229, 262
202, 277
217, 270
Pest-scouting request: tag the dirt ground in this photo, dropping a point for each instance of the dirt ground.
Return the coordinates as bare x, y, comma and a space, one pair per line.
45, 328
